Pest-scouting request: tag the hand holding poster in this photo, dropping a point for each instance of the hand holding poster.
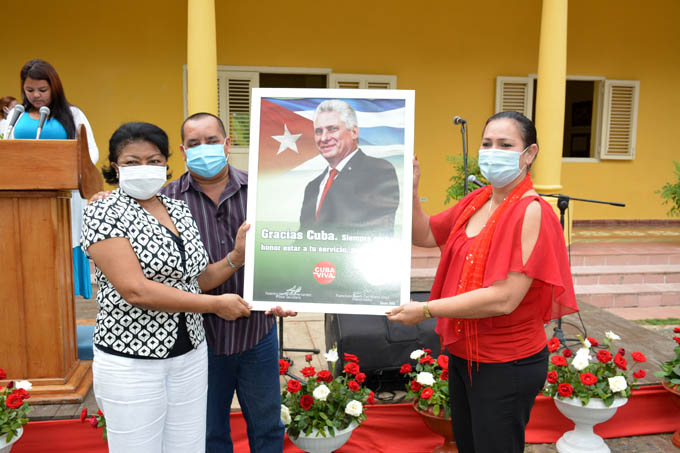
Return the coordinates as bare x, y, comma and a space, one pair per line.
330, 189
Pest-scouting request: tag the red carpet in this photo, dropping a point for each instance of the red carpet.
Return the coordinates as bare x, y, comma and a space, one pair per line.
392, 428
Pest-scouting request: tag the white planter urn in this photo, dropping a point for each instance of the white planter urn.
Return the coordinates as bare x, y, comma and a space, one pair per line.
6, 447
582, 439
316, 443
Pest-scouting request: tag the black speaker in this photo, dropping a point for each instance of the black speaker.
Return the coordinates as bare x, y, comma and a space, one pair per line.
382, 346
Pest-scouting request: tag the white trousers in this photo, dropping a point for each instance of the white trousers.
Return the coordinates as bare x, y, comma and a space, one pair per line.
153, 406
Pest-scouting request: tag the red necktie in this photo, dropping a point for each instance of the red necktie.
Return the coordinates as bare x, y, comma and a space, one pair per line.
329, 183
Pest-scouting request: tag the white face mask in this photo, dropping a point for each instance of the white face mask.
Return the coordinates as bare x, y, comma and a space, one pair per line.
142, 181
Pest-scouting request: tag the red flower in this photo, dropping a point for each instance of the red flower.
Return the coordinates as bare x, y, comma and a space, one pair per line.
100, 413
360, 377
324, 376
308, 371
565, 389
293, 386
308, 358
676, 330
621, 351
3, 375
552, 377
351, 358
83, 415
371, 398
306, 402
353, 385
351, 368
10, 384
677, 339
604, 356
588, 379
445, 375
415, 386
406, 368
592, 341
639, 357
93, 421
567, 353
14, 401
559, 360
443, 362
620, 361
639, 374
23, 393
283, 367
553, 344
427, 359
427, 394
427, 351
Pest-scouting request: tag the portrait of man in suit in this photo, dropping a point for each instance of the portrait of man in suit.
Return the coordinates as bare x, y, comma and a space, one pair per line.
355, 192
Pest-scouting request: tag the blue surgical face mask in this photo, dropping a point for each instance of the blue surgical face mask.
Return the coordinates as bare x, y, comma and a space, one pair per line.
206, 160
500, 167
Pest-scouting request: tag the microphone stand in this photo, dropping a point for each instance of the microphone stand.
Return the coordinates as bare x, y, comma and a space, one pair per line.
463, 133
563, 205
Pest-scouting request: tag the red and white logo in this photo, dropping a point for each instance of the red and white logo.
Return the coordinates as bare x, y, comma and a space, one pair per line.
324, 272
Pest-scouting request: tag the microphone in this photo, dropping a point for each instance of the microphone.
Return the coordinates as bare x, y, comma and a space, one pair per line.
16, 113
472, 179
458, 120
44, 112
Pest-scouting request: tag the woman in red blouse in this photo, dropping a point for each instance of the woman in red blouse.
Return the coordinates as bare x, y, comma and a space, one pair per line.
503, 274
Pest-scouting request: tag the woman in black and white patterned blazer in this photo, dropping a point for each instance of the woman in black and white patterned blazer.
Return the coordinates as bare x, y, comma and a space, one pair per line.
150, 358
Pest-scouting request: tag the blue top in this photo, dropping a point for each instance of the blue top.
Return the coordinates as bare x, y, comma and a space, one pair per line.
27, 127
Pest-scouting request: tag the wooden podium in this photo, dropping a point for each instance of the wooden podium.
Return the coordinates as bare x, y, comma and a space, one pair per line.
37, 310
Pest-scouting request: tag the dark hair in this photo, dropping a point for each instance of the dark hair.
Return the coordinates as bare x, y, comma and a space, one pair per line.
5, 101
198, 116
131, 133
526, 126
59, 106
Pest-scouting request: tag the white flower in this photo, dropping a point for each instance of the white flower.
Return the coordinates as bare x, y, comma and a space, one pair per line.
321, 392
354, 408
418, 353
331, 356
617, 383
23, 385
581, 361
586, 342
285, 415
611, 335
425, 378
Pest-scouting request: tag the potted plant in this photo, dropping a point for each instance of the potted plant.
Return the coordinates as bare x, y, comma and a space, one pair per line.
670, 372
588, 386
671, 193
13, 411
321, 414
429, 388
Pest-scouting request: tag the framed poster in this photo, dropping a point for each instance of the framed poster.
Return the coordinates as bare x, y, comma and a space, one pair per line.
329, 200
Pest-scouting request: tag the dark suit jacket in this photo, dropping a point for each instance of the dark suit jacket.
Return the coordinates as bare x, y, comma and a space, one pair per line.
364, 196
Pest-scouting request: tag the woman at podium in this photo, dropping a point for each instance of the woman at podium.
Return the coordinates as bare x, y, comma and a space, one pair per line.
42, 87
150, 363
503, 274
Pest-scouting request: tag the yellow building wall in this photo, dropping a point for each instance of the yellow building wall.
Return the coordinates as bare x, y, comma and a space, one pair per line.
122, 61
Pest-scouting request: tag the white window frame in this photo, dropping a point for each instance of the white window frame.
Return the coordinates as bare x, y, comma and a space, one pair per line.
364, 80
598, 136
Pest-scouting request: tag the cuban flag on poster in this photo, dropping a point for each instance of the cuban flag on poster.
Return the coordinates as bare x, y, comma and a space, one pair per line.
287, 156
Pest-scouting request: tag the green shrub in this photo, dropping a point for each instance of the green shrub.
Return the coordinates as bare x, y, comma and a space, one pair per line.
455, 190
671, 193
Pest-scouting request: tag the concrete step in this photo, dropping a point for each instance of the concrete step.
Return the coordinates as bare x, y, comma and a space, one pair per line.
629, 295
626, 274
624, 253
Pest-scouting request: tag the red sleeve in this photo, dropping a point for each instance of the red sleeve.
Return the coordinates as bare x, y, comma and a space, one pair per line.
547, 264
441, 223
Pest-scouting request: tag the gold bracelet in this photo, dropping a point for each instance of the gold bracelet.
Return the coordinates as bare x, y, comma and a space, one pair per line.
426, 310
232, 264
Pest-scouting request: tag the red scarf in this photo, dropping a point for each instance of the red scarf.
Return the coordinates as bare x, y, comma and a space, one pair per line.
472, 275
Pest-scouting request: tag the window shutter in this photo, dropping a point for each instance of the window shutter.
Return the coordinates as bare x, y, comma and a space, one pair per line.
619, 119
233, 100
516, 94
364, 81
